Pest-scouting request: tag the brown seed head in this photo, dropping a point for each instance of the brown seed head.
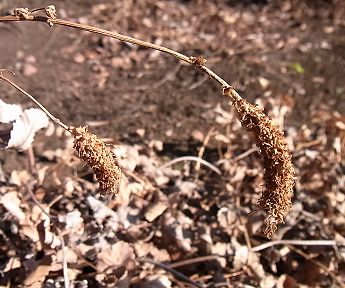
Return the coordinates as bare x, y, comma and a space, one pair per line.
94, 152
279, 171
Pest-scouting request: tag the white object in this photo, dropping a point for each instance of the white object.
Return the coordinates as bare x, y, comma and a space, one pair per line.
25, 124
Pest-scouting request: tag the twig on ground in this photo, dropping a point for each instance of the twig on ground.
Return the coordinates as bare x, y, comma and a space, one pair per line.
335, 278
245, 154
31, 161
55, 200
174, 272
146, 183
39, 205
227, 277
239, 157
297, 243
198, 83
194, 260
203, 147
82, 257
246, 235
192, 158
64, 260
168, 77
234, 274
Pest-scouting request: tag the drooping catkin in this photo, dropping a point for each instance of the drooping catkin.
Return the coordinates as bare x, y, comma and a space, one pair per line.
93, 151
279, 172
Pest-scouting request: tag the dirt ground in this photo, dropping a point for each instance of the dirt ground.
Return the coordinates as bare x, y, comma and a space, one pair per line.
276, 53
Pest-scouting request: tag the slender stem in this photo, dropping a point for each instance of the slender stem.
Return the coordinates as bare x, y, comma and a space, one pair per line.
203, 147
64, 260
297, 243
52, 117
176, 273
39, 205
194, 260
123, 38
193, 158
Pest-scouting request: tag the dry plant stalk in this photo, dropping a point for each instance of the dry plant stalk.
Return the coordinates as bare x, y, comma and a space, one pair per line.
279, 171
89, 147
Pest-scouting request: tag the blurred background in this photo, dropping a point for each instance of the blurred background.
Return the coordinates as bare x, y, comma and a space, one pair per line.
286, 56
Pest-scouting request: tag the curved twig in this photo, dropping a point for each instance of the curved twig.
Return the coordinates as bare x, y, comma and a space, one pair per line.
64, 260
195, 260
192, 158
176, 273
51, 21
297, 243
203, 147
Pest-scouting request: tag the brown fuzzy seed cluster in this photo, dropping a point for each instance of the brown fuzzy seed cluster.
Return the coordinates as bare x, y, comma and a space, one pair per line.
279, 172
94, 152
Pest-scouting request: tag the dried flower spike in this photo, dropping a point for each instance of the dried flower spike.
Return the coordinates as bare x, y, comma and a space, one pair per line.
94, 152
279, 172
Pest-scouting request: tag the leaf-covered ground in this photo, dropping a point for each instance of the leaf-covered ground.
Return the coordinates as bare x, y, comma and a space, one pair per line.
175, 223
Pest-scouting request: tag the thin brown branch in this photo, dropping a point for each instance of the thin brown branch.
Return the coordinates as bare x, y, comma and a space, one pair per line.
194, 261
297, 243
118, 36
64, 260
203, 147
31, 161
174, 272
39, 205
193, 158
245, 154
32, 98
